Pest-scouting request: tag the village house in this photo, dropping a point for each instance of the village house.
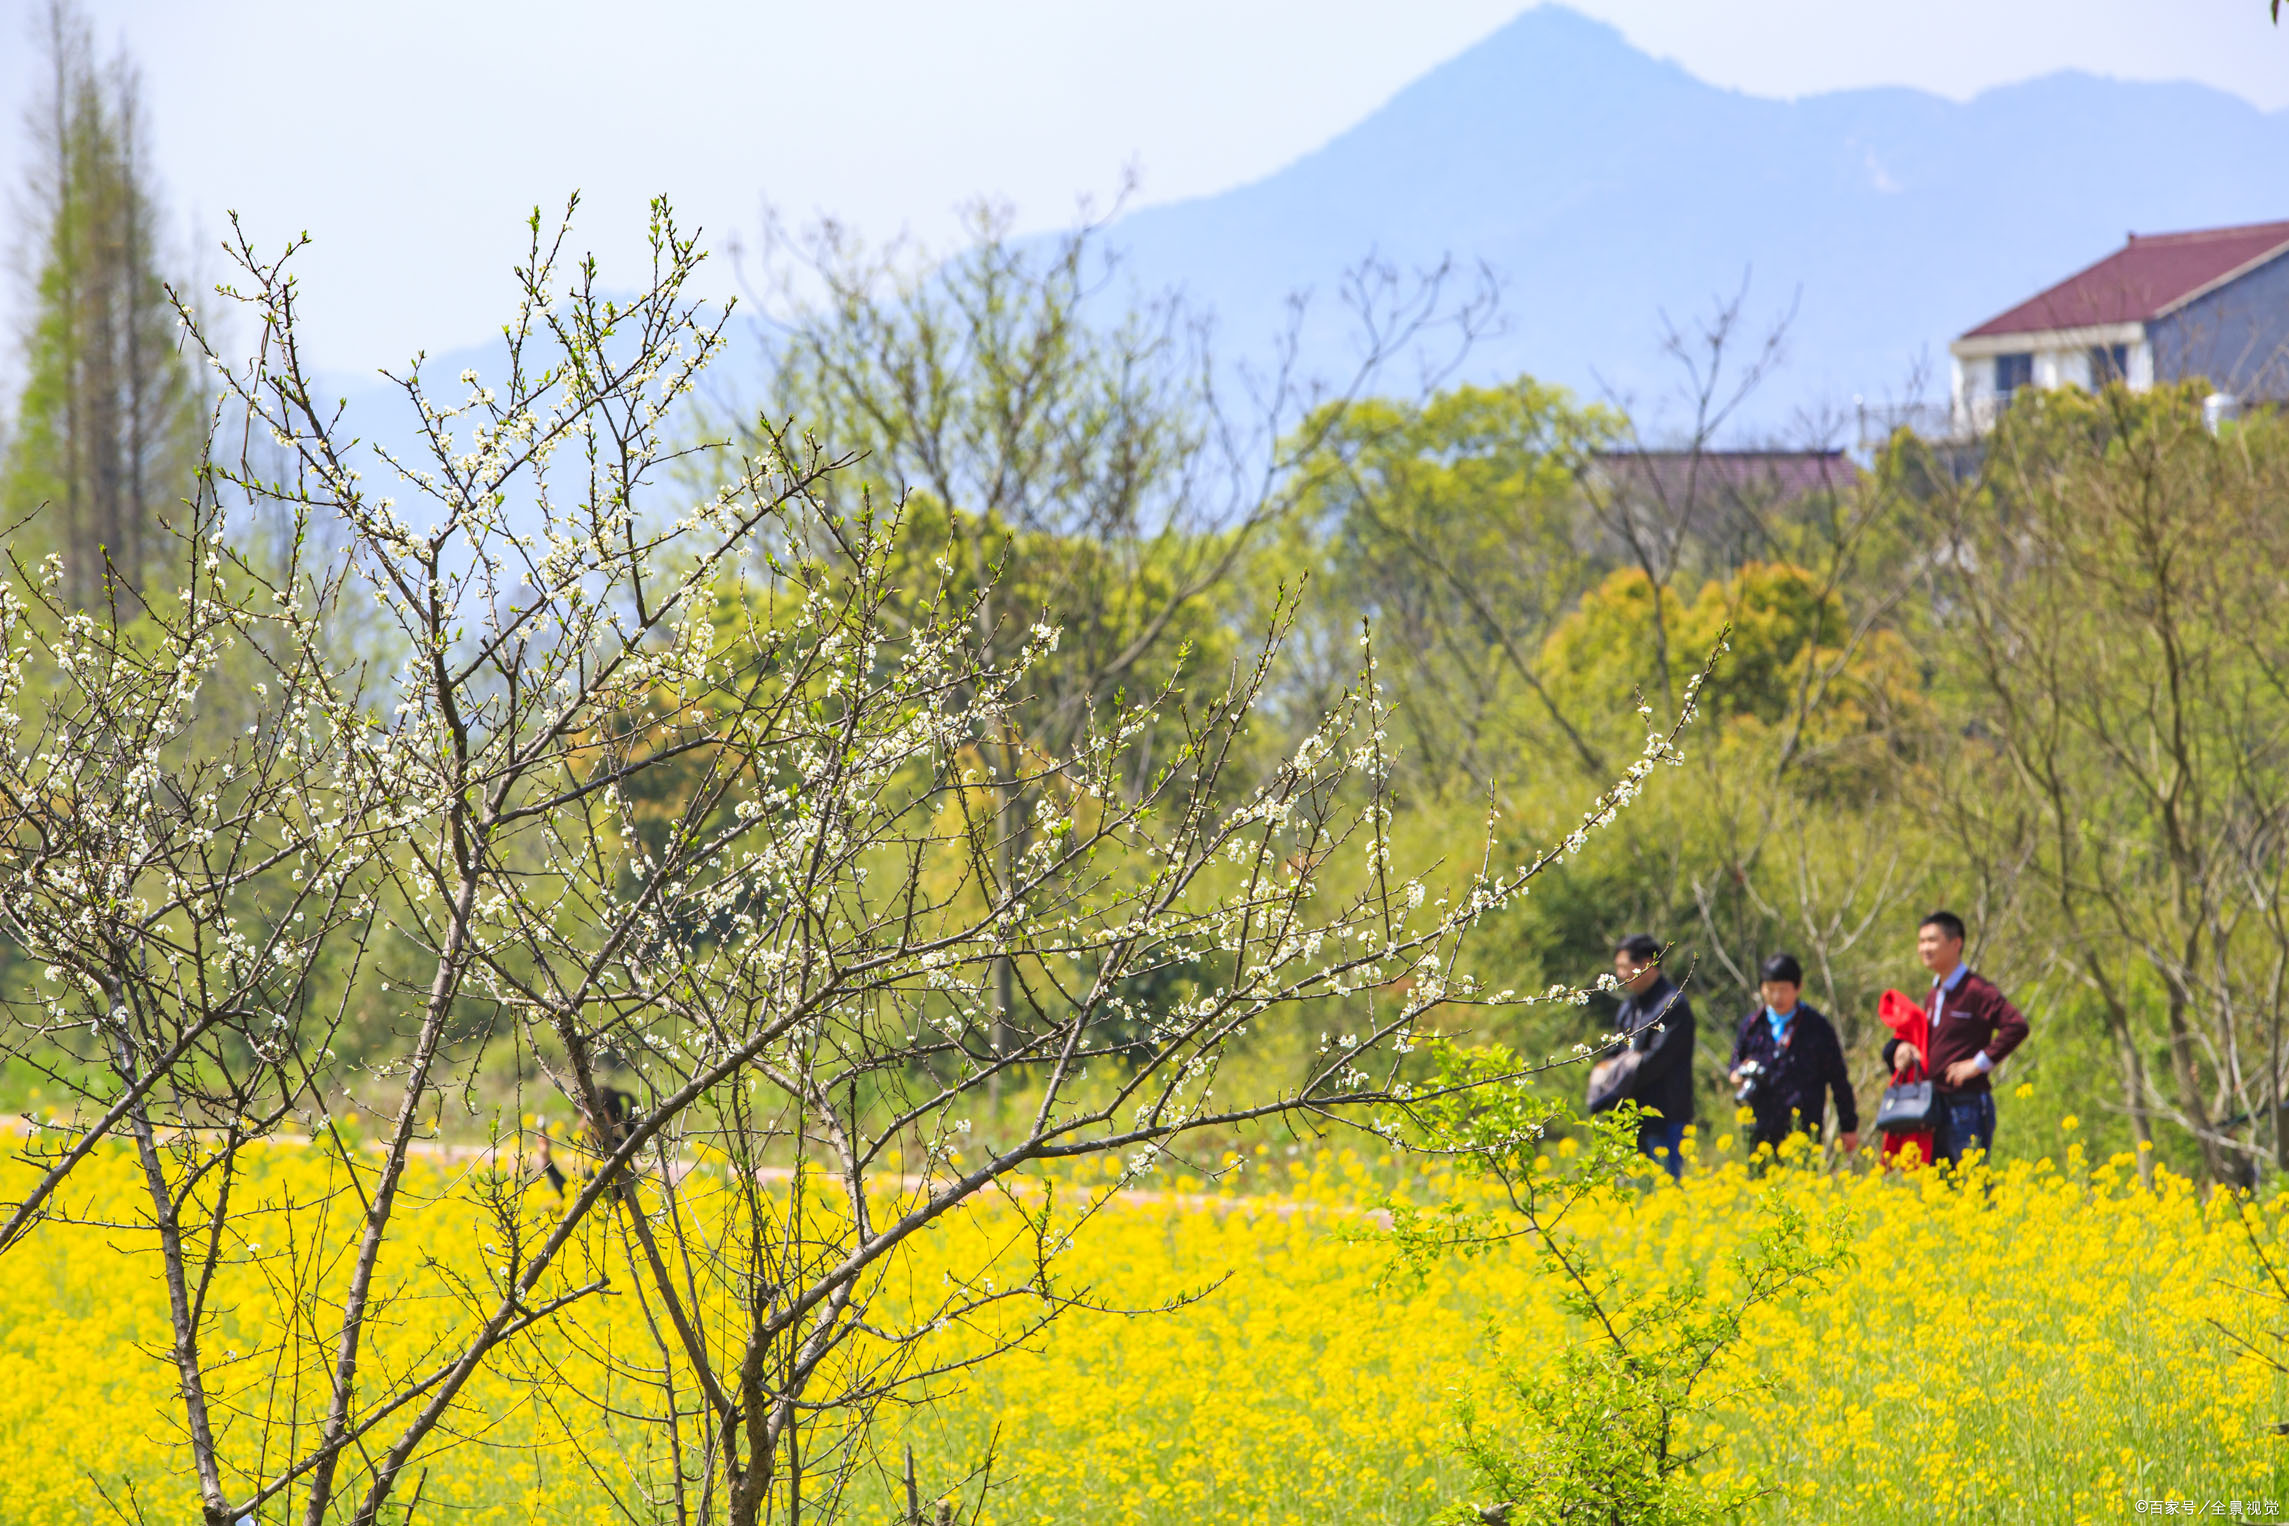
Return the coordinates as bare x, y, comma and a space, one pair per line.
1722, 502
2213, 303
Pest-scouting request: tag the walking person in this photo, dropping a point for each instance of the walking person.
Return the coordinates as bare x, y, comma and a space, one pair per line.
1787, 1063
1658, 1021
1911, 1029
1973, 1028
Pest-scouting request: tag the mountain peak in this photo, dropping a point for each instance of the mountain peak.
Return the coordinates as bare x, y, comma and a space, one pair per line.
1609, 186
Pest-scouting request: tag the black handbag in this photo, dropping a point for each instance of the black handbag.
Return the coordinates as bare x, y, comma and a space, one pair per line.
1907, 1108
1610, 1081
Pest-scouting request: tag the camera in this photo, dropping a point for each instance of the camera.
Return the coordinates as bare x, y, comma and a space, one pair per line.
1752, 1079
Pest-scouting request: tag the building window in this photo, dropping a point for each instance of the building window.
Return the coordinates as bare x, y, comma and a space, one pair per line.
2109, 363
2013, 372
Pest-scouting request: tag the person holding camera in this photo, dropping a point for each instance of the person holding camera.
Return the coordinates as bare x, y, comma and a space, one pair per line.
1657, 1020
1786, 1062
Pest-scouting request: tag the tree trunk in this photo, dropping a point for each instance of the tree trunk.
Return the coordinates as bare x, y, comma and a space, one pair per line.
2187, 1073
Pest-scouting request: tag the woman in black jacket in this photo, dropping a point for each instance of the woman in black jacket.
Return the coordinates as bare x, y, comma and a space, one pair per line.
1796, 1061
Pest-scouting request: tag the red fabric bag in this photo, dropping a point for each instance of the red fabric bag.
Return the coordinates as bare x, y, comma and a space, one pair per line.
1911, 1025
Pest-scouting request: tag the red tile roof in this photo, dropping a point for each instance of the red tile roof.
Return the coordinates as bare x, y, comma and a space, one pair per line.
2143, 279
1768, 477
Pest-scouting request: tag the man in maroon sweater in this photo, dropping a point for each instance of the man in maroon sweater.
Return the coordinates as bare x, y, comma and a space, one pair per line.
1973, 1026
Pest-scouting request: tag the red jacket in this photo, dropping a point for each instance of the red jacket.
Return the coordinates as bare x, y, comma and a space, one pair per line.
1972, 1019
1912, 1026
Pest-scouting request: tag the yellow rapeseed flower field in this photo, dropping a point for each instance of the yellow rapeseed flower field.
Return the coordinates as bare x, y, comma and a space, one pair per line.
2040, 1350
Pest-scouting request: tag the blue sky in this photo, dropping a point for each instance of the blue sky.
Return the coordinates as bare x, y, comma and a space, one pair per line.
409, 138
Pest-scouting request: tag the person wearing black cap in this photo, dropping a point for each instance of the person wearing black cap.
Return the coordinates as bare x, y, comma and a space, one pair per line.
1786, 1059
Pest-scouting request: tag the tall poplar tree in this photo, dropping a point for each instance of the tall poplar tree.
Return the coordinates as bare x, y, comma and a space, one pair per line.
107, 429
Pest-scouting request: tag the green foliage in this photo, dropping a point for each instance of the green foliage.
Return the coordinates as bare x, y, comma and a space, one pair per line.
1455, 526
1125, 623
1784, 630
1052, 455
1604, 1429
2117, 658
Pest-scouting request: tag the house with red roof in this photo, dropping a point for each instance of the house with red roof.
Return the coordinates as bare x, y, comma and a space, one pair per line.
2213, 303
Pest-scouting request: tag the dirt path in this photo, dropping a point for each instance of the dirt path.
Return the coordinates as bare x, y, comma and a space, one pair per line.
525, 1154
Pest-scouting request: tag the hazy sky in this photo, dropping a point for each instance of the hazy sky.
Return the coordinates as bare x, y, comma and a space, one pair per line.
410, 138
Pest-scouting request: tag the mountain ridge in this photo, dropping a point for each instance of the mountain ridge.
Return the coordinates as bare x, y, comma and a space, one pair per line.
1609, 186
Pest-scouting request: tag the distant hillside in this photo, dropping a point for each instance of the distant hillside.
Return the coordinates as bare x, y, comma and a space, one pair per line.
1605, 185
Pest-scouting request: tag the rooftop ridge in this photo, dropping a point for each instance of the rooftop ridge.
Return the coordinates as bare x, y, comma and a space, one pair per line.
2203, 235
2148, 276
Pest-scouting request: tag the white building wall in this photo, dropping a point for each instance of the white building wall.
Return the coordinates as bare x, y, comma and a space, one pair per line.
2062, 367
2140, 372
1971, 394
2061, 358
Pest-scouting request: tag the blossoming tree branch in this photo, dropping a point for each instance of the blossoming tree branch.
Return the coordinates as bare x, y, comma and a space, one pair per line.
636, 790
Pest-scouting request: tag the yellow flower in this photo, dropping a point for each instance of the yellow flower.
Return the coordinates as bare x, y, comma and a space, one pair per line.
1309, 1385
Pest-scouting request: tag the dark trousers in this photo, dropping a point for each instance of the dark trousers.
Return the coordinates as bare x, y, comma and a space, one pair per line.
1966, 1121
1660, 1139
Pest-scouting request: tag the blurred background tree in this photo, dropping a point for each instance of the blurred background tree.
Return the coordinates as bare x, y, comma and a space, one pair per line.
107, 430
2030, 677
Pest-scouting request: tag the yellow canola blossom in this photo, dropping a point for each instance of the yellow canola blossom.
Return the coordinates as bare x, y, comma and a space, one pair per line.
2042, 1350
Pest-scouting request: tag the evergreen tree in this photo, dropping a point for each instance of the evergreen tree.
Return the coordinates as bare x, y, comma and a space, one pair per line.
107, 430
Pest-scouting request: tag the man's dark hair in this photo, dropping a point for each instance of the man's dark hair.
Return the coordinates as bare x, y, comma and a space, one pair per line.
1642, 947
1947, 922
1784, 967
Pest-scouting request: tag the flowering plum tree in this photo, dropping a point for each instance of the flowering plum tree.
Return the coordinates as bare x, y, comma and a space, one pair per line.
643, 794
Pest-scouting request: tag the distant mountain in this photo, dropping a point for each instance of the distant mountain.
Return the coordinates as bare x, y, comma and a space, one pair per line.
1607, 185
